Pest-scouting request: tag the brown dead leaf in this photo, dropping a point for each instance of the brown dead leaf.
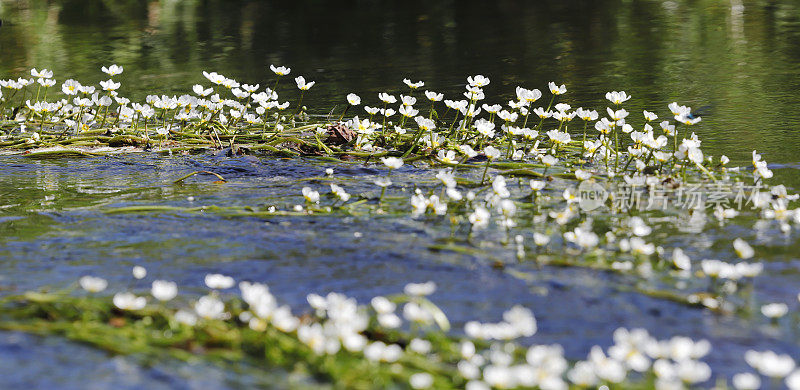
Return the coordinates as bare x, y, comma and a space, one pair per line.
117, 322
339, 134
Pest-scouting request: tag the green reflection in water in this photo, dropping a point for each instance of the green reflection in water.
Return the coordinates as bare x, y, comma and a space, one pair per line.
739, 59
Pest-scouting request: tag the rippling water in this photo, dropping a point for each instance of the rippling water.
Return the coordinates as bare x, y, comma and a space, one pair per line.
739, 59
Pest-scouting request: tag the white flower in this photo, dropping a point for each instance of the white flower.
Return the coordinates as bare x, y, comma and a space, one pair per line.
109, 85
93, 284
521, 320
421, 380
447, 178
507, 207
587, 115
695, 155
528, 95
389, 320
743, 249
420, 346
793, 381
582, 175
251, 88
283, 320
617, 97
128, 301
392, 162
692, 371
353, 99
746, 381
687, 119
680, 260
44, 73
186, 317
549, 160
499, 376
677, 109
485, 127
317, 302
411, 85
467, 349
164, 290
668, 128
541, 113
638, 227
774, 310
582, 374
540, 239
749, 270
209, 308
433, 96
139, 272
302, 84
479, 218
383, 182
467, 151
606, 368
478, 81
477, 385
112, 70
537, 185
617, 115
382, 305
491, 152
219, 282
425, 124
340, 192
508, 116
562, 107
378, 351
557, 90
310, 195
280, 70
420, 289
769, 363
581, 237
230, 83
406, 111
386, 98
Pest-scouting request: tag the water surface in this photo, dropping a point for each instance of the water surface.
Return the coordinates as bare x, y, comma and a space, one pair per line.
739, 59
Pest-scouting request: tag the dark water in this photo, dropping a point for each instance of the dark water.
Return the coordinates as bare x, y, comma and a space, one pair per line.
741, 59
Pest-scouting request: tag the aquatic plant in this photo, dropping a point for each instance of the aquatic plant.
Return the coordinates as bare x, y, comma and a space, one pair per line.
397, 340
551, 192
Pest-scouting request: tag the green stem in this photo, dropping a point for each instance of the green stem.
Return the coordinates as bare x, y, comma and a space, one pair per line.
583, 144
300, 102
414, 144
485, 168
541, 120
344, 112
380, 200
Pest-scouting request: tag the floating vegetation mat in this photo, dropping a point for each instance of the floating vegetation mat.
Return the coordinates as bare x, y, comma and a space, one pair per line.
533, 181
